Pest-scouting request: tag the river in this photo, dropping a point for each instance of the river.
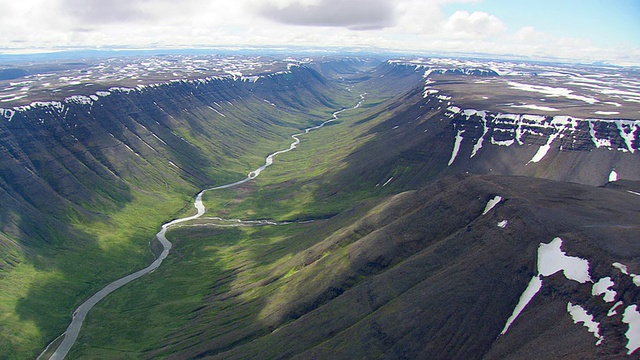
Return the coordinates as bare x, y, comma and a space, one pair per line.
73, 330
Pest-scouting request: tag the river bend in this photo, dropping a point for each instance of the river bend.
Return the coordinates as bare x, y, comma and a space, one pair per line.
73, 330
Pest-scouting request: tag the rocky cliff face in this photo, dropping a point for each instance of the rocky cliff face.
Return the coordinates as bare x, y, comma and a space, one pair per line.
431, 134
553, 142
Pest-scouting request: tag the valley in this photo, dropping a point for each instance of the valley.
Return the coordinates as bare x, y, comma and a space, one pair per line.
374, 236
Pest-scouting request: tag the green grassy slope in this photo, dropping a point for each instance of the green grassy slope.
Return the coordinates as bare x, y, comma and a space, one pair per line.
85, 191
209, 259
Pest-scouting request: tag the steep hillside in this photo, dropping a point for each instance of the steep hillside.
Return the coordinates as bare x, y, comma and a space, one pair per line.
431, 273
86, 181
427, 275
327, 255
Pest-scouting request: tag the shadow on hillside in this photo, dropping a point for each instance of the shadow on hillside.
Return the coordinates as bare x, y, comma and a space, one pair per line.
175, 137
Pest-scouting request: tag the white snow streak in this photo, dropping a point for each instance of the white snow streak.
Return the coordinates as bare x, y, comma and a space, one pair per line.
456, 147
532, 289
218, 112
613, 310
542, 151
478, 144
627, 132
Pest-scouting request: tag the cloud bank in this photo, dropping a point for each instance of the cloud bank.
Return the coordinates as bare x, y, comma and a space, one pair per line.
354, 15
412, 25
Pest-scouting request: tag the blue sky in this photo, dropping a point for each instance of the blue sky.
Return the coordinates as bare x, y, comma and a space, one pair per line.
587, 30
604, 22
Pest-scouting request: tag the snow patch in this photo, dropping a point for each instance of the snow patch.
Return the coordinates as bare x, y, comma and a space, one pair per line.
428, 92
603, 286
456, 147
491, 204
607, 112
535, 107
552, 92
252, 79
623, 268
580, 315
453, 110
632, 318
552, 259
613, 176
478, 145
503, 224
598, 142
513, 117
121, 89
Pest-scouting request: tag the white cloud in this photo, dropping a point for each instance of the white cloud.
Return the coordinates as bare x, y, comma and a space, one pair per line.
529, 34
419, 17
416, 25
354, 14
476, 24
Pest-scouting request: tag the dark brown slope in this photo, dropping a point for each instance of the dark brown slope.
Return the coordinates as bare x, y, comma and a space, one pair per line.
426, 275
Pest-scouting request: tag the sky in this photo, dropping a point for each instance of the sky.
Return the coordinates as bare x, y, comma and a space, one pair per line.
575, 30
